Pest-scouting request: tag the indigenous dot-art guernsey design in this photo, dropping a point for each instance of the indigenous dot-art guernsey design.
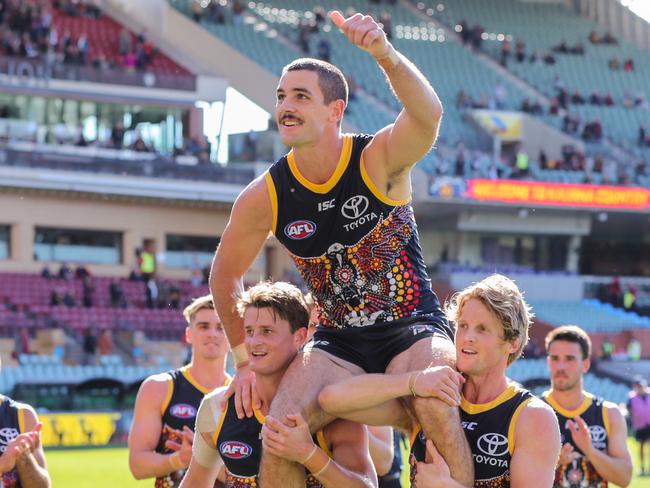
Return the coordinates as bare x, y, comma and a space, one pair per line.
370, 281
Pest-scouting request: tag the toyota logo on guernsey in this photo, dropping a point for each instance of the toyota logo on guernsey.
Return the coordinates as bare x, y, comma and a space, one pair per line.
183, 411
598, 436
300, 229
493, 444
354, 207
235, 449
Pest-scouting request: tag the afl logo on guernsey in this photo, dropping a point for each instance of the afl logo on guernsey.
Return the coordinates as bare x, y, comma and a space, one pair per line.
300, 229
183, 411
235, 450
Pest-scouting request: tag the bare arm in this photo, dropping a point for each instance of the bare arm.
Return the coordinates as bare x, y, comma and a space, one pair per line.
536, 447
356, 397
145, 432
206, 465
400, 145
382, 452
615, 465
249, 226
250, 222
31, 467
361, 399
351, 464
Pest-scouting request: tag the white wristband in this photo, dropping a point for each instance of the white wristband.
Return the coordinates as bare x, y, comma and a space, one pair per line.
239, 355
391, 59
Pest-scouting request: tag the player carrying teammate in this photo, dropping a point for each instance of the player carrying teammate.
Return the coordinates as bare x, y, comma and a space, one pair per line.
275, 320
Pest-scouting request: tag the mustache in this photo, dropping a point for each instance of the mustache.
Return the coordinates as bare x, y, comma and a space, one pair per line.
290, 117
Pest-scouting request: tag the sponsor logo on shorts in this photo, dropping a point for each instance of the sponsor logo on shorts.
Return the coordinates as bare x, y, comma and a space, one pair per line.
235, 449
300, 229
420, 328
183, 411
311, 344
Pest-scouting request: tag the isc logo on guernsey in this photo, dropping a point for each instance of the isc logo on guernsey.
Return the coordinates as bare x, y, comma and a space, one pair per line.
300, 229
235, 449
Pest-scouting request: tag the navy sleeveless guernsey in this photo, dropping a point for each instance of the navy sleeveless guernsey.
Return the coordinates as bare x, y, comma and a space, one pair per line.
184, 396
357, 250
12, 423
240, 447
581, 473
489, 429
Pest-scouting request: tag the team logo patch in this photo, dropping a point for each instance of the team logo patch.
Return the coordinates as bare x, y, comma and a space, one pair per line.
300, 229
235, 449
183, 411
493, 444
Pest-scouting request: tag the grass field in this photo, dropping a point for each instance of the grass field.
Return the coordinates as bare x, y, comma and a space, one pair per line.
108, 468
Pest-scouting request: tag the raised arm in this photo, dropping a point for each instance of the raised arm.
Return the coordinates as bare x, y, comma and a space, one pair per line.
536, 447
250, 222
615, 465
147, 425
400, 145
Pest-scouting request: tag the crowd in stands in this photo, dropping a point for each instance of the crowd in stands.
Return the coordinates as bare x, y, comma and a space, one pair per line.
465, 163
632, 352
73, 289
28, 30
625, 296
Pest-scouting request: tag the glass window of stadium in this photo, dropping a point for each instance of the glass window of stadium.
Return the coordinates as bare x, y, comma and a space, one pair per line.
77, 246
541, 253
58, 120
4, 242
191, 252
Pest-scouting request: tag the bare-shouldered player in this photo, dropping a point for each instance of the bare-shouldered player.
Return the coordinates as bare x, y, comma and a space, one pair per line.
160, 441
594, 434
275, 319
22, 461
513, 435
341, 204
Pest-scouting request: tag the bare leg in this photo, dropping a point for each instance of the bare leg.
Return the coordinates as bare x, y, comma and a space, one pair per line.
298, 392
440, 422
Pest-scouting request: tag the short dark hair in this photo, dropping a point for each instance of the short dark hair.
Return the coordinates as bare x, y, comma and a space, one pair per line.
331, 80
284, 299
570, 333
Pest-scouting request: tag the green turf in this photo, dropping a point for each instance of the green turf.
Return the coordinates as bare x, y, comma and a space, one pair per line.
92, 468
108, 468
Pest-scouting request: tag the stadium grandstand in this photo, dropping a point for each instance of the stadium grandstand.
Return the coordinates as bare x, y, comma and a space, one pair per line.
122, 150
